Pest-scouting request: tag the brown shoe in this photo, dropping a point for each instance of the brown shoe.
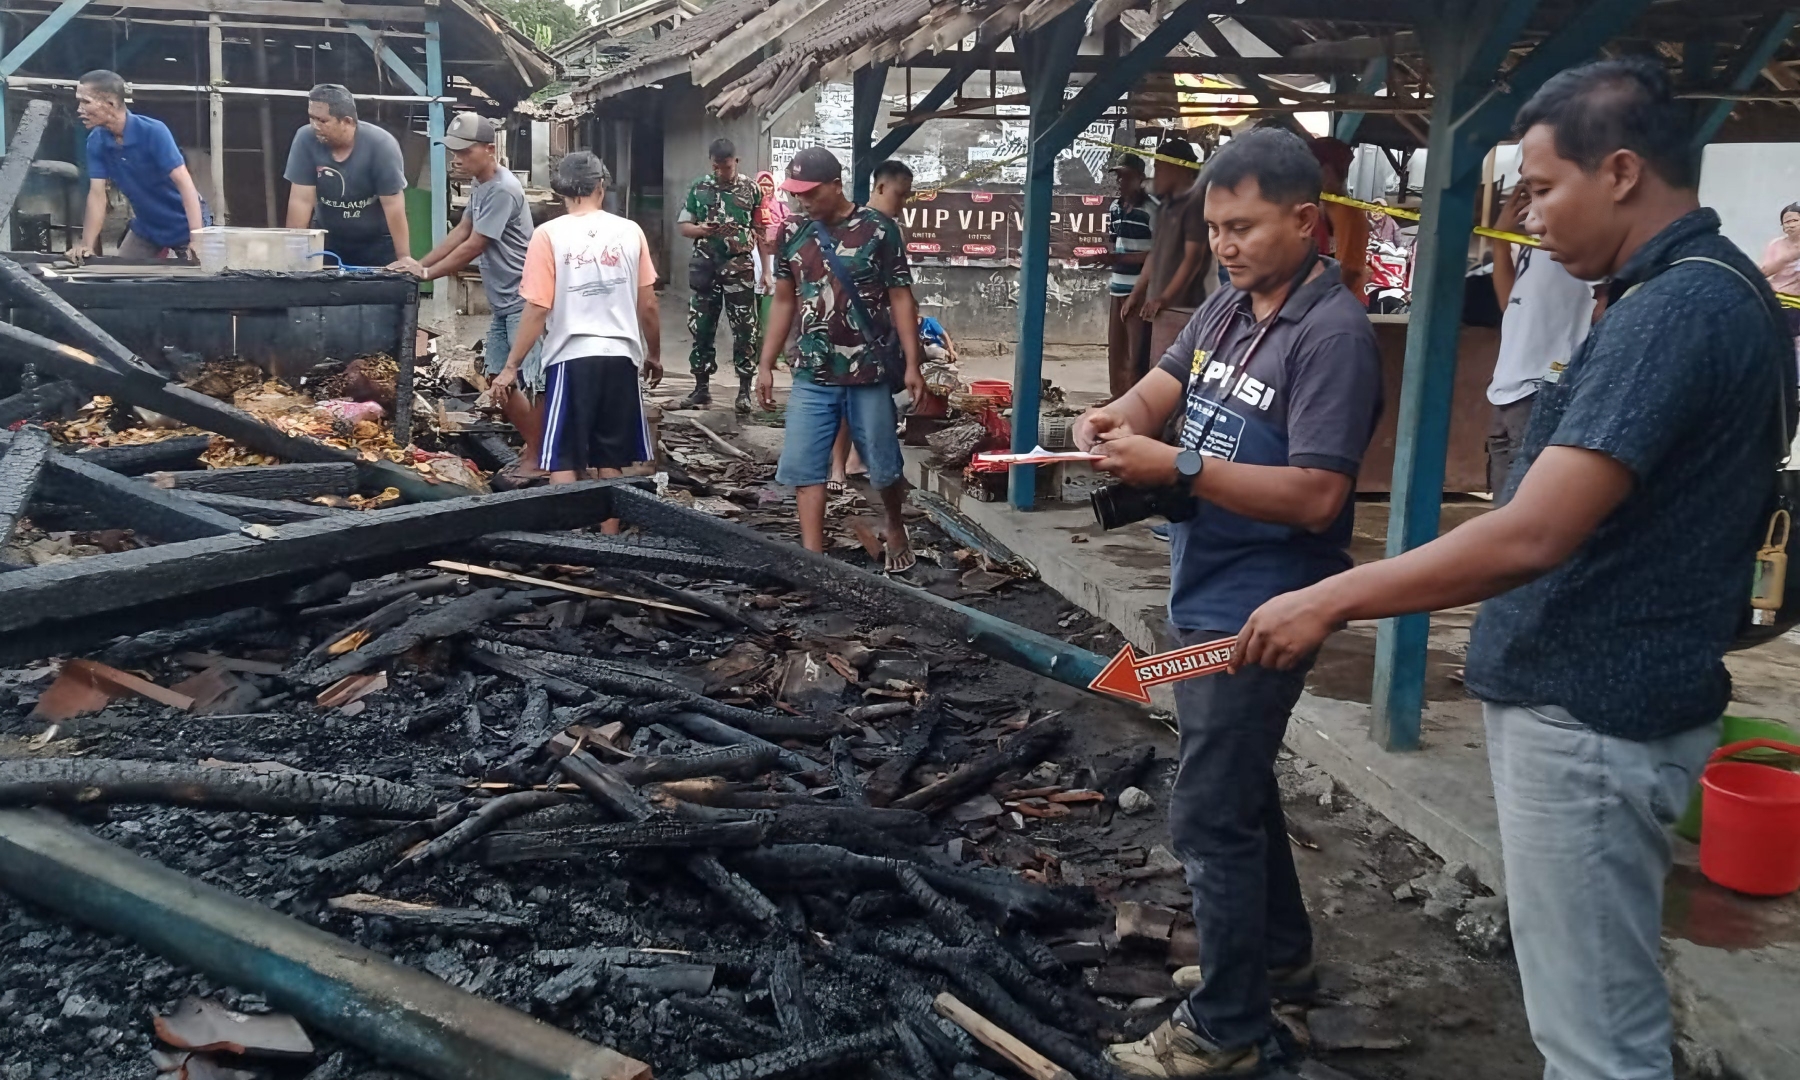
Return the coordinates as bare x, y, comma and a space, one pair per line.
1174, 1052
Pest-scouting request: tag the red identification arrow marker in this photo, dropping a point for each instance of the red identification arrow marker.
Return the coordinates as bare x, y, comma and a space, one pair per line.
1131, 676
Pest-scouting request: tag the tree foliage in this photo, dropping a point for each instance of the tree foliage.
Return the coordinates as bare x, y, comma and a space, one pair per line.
545, 22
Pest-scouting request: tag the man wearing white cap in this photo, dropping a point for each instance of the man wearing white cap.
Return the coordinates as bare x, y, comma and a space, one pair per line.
495, 232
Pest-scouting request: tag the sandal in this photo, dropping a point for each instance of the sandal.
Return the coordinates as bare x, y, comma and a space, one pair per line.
834, 488
899, 562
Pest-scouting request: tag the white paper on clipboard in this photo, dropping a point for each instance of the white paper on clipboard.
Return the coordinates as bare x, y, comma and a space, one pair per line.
1037, 455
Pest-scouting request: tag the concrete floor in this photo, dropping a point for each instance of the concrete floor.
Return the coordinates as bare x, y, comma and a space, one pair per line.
1734, 962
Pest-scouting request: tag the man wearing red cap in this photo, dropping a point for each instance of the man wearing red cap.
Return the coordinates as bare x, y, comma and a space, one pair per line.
841, 271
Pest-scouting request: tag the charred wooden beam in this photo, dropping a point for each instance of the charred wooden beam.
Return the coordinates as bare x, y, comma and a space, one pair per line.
615, 679
707, 606
478, 824
20, 151
376, 622
241, 291
845, 584
834, 1056
372, 599
402, 1016
133, 503
614, 553
1022, 751
259, 511
710, 730
190, 407
102, 781
719, 761
28, 291
180, 452
302, 480
19, 472
140, 647
413, 918
589, 841
787, 993
608, 789
54, 400
561, 689
459, 616
315, 877
47, 608
891, 775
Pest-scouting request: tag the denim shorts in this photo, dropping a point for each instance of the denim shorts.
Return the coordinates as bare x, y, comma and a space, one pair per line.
813, 415
501, 331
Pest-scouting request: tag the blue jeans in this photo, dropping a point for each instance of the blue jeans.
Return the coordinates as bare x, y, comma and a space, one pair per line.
502, 330
1227, 828
813, 415
1582, 820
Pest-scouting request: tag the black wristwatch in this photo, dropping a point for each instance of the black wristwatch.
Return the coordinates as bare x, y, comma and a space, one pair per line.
1188, 465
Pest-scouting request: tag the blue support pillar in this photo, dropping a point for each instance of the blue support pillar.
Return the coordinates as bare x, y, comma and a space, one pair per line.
12, 60
440, 163
865, 110
1045, 56
1471, 111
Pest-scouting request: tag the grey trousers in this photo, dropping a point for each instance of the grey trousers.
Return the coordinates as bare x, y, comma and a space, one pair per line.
1582, 820
1506, 437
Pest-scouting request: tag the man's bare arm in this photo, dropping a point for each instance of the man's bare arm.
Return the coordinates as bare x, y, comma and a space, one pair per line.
393, 207
301, 200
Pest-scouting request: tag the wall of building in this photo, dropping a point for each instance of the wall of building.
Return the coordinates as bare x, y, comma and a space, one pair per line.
688, 129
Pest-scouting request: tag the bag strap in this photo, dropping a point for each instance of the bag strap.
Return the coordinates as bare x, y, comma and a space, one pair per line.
827, 248
1781, 422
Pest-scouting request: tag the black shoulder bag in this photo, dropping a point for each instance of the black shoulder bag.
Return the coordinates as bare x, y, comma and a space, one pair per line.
1774, 608
886, 350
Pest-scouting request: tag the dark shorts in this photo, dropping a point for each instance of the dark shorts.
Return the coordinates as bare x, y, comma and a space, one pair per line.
593, 415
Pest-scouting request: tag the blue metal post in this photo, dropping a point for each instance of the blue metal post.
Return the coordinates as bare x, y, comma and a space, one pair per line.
865, 109
1045, 58
1374, 77
388, 57
1746, 64
1471, 111
440, 162
959, 72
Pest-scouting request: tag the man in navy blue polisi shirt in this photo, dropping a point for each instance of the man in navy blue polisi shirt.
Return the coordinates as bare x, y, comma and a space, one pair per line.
1616, 576
1279, 382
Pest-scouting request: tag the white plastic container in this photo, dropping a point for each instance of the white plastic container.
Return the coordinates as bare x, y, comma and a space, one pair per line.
224, 248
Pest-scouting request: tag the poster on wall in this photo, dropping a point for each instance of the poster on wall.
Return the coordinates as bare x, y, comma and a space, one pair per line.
782, 151
987, 225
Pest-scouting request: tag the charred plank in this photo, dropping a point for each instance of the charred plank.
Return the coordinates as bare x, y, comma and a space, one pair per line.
186, 635
413, 918
613, 553
259, 511
364, 602
19, 472
180, 452
459, 616
561, 689
133, 503
55, 400
478, 824
16, 166
890, 776
588, 841
719, 761
102, 781
300, 480
1024, 750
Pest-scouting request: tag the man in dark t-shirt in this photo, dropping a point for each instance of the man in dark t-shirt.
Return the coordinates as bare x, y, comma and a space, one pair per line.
1278, 380
349, 179
1617, 575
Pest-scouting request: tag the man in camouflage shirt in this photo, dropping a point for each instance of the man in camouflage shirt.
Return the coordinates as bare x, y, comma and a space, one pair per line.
838, 376
719, 218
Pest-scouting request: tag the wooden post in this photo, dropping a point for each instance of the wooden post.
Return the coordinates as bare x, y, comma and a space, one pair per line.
405, 356
215, 58
273, 218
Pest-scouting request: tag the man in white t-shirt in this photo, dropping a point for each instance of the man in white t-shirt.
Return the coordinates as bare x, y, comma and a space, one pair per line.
588, 289
1545, 316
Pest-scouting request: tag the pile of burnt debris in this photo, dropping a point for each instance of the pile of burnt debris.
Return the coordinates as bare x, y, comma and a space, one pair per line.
709, 823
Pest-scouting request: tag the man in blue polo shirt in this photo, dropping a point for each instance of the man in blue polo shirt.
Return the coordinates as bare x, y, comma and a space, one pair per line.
139, 155
1278, 381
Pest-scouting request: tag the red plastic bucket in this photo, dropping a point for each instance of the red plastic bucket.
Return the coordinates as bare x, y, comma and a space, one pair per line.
1750, 814
997, 389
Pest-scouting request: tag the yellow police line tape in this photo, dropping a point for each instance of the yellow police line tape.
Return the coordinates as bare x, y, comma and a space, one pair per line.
1788, 300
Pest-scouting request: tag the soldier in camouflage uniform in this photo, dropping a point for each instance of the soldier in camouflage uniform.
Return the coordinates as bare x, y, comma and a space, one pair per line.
719, 217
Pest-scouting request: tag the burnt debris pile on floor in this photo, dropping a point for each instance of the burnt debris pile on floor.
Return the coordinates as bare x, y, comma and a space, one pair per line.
689, 794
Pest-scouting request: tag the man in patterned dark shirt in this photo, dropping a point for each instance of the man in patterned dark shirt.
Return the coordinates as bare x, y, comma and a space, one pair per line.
1616, 577
719, 217
838, 374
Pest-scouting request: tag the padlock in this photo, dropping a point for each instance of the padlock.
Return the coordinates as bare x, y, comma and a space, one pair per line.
1769, 588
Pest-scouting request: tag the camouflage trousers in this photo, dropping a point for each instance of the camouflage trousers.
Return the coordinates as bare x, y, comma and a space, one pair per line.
739, 306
